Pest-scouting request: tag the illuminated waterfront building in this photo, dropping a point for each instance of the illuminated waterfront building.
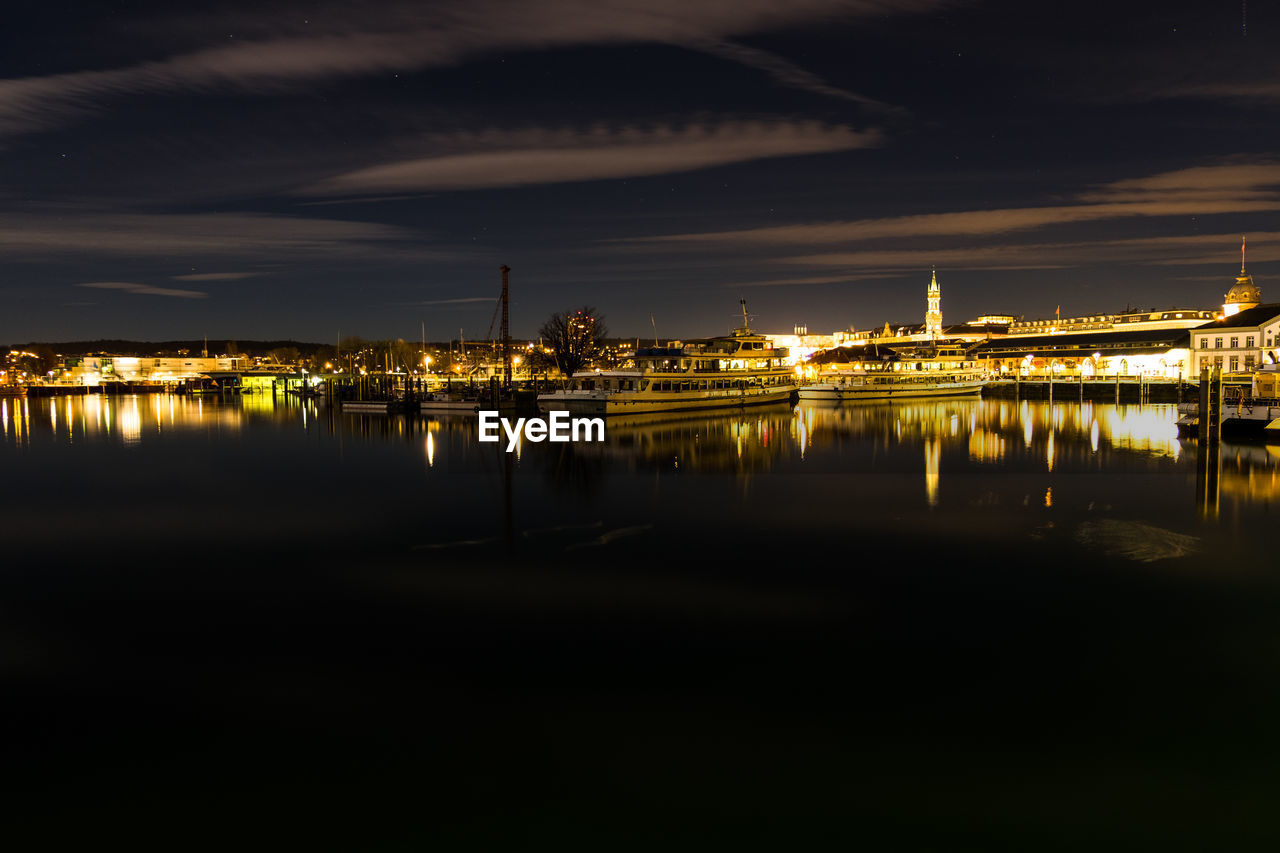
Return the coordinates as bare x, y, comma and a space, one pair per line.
1244, 294
1246, 336
1239, 343
96, 369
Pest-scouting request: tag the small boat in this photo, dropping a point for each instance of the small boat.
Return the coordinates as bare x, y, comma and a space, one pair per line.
741, 369
442, 401
938, 371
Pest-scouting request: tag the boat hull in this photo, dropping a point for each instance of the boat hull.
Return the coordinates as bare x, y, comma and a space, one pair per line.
623, 403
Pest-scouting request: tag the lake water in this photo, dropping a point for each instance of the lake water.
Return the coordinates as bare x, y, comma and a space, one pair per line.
951, 624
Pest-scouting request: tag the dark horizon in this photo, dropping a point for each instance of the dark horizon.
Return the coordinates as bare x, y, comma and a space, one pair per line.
314, 169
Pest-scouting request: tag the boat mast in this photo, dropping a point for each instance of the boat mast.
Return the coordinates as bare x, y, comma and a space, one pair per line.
506, 332
746, 327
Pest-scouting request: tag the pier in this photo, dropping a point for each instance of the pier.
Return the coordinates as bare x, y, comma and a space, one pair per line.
1116, 389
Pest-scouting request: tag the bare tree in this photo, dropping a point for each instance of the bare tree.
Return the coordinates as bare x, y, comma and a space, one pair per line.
575, 337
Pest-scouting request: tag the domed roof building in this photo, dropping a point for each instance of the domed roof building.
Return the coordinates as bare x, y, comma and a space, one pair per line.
1244, 294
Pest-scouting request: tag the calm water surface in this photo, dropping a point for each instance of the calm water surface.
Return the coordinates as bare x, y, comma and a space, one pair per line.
961, 624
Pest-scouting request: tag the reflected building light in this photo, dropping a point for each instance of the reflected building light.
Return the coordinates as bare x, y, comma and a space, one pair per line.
1094, 431
1048, 497
1028, 429
955, 425
431, 451
986, 446
131, 423
1049, 450
1149, 429
53, 416
4, 415
932, 456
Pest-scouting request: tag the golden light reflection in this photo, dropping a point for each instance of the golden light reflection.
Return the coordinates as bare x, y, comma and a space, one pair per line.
986, 446
431, 450
130, 422
1094, 432
1148, 429
932, 458
1048, 451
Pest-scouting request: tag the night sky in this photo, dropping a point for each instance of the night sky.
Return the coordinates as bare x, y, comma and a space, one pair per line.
308, 169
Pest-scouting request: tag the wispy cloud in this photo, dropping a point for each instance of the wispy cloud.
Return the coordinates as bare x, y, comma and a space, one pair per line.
540, 157
144, 289
817, 279
215, 276
1259, 91
787, 73
1200, 191
419, 36
1221, 249
239, 235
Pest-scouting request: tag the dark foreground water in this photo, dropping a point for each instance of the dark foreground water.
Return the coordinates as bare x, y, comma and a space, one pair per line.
935, 625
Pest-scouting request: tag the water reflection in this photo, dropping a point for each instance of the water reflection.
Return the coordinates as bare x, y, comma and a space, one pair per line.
931, 440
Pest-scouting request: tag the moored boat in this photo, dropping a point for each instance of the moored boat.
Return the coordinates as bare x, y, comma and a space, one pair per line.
741, 369
939, 371
1256, 412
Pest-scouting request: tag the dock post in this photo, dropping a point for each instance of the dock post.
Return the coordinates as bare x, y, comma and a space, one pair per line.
1210, 429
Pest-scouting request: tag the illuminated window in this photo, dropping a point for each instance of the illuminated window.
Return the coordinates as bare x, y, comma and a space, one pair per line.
1217, 362
1233, 364
1235, 343
1204, 343
1217, 344
1249, 362
1248, 342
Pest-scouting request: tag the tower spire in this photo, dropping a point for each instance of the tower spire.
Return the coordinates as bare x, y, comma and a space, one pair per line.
933, 316
1242, 240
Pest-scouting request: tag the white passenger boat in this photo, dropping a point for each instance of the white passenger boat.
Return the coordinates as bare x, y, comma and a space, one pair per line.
742, 369
941, 371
